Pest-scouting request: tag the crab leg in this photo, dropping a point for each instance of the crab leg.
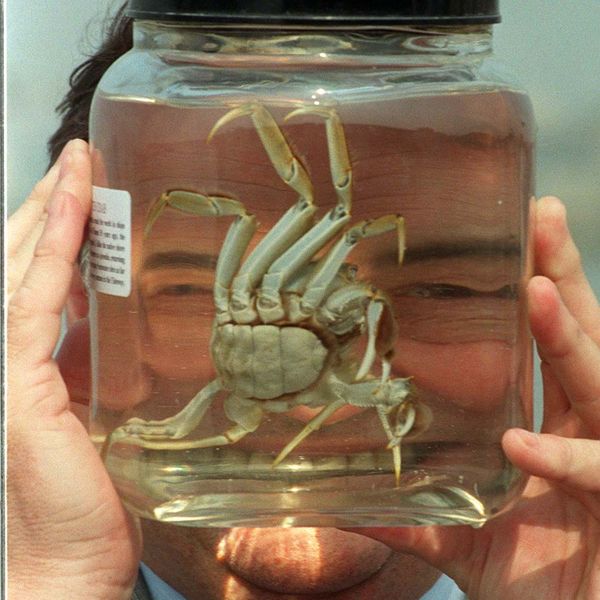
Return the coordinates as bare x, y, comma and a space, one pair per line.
161, 434
153, 434
238, 236
403, 426
193, 203
317, 285
299, 254
293, 224
364, 394
344, 309
314, 424
288, 167
374, 312
382, 411
232, 435
269, 306
339, 160
288, 229
396, 434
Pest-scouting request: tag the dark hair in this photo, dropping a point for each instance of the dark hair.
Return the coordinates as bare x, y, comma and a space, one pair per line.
75, 106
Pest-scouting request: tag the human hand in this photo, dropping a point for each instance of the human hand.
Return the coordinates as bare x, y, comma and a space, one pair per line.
547, 546
68, 533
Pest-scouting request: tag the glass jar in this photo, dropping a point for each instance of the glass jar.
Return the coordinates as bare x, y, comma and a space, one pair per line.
306, 262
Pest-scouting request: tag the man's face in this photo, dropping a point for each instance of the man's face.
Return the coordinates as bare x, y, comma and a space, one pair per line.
237, 564
453, 297
450, 298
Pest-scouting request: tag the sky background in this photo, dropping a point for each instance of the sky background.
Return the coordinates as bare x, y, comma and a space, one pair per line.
553, 47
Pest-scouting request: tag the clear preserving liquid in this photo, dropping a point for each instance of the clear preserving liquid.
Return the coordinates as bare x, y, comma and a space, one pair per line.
457, 167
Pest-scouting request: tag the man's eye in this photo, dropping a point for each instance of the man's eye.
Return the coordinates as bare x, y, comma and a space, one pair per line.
182, 282
181, 289
437, 290
446, 291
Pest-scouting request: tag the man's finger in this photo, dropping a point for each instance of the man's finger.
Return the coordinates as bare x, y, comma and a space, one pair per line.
558, 258
24, 229
573, 462
22, 222
556, 403
571, 354
35, 309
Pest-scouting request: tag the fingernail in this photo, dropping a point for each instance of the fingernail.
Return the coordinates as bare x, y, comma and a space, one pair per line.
66, 160
529, 438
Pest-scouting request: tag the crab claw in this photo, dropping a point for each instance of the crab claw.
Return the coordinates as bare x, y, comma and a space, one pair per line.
241, 111
339, 159
155, 211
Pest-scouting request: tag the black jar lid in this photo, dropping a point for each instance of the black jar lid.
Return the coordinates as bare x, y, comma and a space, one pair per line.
319, 12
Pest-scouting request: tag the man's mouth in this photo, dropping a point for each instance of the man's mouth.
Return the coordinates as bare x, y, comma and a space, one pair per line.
301, 560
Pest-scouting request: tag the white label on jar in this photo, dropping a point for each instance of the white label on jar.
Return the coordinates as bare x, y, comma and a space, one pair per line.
110, 242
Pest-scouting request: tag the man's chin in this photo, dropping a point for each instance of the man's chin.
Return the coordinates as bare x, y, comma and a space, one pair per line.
281, 564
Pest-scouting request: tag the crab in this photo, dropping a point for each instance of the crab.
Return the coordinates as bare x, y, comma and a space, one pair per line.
287, 319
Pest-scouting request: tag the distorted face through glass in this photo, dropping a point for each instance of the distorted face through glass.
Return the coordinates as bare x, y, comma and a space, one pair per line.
453, 298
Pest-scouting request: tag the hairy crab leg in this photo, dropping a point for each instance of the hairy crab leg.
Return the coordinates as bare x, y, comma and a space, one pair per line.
238, 236
404, 426
161, 433
269, 305
166, 434
344, 307
400, 430
232, 435
341, 311
293, 224
404, 408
